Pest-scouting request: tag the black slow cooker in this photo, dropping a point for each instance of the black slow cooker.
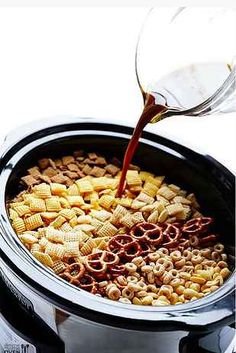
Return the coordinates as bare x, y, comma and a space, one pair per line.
41, 313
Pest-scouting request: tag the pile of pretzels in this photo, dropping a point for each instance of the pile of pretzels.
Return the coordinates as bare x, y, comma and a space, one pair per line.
144, 238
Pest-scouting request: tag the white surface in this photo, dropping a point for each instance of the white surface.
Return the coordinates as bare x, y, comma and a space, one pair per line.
80, 61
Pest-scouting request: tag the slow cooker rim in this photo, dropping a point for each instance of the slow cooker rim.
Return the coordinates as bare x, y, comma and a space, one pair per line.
181, 308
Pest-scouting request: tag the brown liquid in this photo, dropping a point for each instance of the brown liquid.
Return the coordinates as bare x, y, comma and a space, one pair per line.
151, 110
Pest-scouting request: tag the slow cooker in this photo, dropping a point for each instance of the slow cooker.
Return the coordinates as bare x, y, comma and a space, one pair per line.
41, 313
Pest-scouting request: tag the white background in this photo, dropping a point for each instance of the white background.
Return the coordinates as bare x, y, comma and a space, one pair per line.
80, 61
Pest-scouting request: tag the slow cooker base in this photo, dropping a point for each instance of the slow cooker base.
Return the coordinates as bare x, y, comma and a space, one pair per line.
33, 336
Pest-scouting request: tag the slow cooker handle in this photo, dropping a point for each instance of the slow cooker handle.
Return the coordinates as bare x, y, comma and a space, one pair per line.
200, 342
215, 315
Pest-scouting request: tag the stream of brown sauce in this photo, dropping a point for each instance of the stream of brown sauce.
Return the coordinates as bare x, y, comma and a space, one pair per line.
151, 110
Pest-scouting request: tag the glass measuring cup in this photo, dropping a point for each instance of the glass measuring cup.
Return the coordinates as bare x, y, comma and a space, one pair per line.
186, 57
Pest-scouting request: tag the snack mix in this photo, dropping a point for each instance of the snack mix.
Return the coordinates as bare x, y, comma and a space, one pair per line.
150, 247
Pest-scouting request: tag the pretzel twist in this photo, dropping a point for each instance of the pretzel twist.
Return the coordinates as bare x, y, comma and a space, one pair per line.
183, 242
98, 263
117, 270
145, 249
197, 226
207, 239
171, 236
147, 232
73, 273
88, 283
125, 246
